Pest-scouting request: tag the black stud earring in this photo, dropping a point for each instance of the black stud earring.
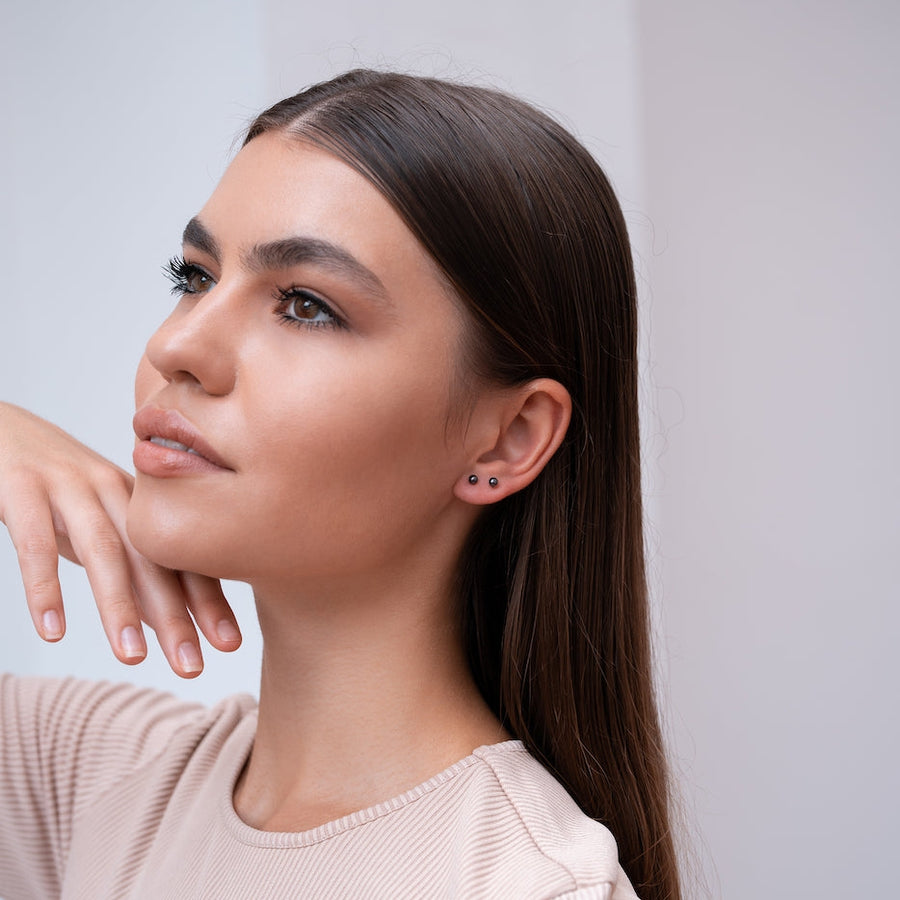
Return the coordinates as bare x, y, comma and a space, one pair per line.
493, 482
473, 479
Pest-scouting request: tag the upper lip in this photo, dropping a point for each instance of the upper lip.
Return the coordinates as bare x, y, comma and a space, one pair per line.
153, 421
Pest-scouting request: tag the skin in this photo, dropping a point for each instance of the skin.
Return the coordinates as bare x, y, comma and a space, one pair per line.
59, 498
336, 433
341, 491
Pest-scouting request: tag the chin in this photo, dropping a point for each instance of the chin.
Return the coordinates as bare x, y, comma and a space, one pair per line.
174, 542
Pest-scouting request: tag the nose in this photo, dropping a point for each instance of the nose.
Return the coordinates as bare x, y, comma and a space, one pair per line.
198, 343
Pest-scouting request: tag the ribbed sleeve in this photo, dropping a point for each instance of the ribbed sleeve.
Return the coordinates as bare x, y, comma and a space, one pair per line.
62, 743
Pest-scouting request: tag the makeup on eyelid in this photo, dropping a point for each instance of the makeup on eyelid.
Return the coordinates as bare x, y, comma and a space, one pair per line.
288, 252
188, 278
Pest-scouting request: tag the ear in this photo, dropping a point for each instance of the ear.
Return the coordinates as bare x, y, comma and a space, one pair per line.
516, 433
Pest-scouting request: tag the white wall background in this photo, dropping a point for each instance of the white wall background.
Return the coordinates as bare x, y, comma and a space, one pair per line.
753, 145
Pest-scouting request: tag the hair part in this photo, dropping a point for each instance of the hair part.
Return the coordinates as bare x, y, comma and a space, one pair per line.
526, 228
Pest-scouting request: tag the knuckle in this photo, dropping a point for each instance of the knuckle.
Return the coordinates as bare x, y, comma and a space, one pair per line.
116, 605
106, 545
174, 621
103, 541
42, 591
19, 490
33, 548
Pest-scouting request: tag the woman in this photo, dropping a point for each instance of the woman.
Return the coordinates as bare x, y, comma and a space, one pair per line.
398, 397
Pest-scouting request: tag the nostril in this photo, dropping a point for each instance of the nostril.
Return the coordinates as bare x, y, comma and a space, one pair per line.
195, 345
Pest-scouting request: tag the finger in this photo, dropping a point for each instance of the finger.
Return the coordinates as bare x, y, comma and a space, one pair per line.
107, 481
165, 608
100, 549
30, 524
161, 597
211, 611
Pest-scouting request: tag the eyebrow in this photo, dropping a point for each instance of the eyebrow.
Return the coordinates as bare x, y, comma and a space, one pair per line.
291, 251
197, 235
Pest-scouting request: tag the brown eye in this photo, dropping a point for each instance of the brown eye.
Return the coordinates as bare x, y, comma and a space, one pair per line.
300, 307
197, 281
306, 308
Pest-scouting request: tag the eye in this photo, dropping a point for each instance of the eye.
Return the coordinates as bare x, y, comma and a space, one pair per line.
187, 278
300, 307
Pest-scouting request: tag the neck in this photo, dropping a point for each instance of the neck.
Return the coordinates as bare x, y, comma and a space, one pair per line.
364, 694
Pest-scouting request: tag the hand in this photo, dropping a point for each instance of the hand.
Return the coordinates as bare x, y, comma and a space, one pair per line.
58, 497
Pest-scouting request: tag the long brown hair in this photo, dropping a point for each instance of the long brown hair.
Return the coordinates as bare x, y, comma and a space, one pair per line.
525, 226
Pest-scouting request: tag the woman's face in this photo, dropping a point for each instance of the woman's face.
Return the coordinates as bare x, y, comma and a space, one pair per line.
310, 361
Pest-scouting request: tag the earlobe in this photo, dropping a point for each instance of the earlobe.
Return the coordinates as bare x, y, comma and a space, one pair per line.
526, 427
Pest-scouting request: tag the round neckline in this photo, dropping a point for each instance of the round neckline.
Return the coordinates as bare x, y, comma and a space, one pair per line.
247, 834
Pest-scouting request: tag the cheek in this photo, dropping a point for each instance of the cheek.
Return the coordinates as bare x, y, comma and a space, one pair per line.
365, 473
383, 423
147, 382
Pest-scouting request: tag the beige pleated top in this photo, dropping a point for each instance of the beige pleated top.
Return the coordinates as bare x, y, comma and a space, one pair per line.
112, 791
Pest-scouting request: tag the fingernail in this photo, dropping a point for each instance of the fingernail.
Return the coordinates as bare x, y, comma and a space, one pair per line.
227, 632
52, 625
189, 657
132, 643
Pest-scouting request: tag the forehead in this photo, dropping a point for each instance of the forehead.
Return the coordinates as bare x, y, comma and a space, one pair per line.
279, 187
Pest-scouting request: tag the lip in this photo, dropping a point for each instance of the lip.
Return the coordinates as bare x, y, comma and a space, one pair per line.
170, 425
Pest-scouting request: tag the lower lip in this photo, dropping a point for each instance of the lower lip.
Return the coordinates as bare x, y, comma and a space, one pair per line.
164, 462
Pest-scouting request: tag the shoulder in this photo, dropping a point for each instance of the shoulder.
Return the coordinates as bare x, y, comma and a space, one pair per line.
92, 733
141, 711
82, 758
531, 832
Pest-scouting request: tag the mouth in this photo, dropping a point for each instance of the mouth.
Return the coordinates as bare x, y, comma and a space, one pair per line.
168, 444
172, 445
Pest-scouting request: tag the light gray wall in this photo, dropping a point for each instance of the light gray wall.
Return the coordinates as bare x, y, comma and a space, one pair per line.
772, 135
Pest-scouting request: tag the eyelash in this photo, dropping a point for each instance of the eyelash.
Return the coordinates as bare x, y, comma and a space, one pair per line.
179, 272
